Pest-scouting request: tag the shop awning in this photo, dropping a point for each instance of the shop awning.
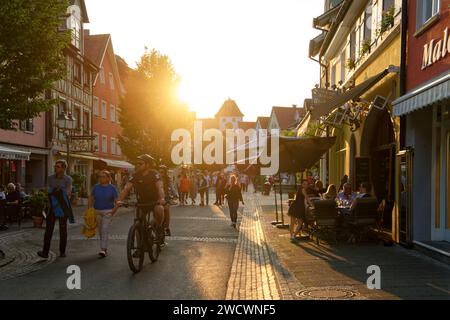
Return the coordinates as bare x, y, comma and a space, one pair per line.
315, 44
79, 156
117, 163
11, 153
435, 91
323, 109
297, 154
326, 18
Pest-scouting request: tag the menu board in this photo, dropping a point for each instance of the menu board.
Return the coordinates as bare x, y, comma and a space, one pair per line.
362, 170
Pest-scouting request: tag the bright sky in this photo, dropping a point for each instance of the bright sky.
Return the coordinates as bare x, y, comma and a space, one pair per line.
253, 51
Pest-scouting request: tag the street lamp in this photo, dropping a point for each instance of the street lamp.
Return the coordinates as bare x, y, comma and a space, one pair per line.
66, 123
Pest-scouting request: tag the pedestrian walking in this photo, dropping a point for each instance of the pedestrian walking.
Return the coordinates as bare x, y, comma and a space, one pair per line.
193, 188
202, 188
184, 187
234, 195
103, 199
208, 184
59, 190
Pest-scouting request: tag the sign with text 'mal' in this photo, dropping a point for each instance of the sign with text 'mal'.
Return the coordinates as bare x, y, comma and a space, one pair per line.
435, 50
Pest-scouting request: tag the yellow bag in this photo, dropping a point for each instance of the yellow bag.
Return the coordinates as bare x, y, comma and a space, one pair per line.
90, 224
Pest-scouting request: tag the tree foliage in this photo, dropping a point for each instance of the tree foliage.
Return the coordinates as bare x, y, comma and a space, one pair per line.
31, 56
151, 109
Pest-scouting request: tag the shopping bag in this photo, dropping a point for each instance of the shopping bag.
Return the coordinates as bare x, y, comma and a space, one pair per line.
89, 229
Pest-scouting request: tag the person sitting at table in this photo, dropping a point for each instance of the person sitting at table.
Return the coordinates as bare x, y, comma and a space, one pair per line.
331, 193
347, 195
12, 200
364, 192
318, 187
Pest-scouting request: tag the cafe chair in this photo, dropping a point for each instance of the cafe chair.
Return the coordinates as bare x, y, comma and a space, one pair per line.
363, 216
325, 220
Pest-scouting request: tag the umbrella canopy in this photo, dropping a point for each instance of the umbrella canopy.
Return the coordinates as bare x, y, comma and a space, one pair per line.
296, 154
299, 154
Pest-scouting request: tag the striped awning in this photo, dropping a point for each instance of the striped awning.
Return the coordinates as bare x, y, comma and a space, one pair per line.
435, 91
11, 153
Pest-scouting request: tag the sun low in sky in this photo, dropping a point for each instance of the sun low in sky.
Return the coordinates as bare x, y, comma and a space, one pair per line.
253, 51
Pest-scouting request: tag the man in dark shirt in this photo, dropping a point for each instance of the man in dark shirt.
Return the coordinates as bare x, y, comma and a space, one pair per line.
149, 188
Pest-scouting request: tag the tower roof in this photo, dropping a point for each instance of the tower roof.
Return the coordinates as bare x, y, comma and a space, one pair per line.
229, 109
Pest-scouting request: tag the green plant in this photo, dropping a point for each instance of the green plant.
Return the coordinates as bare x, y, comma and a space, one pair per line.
387, 20
365, 47
37, 201
350, 64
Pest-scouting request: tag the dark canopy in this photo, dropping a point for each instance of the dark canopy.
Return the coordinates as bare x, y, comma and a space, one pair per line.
297, 154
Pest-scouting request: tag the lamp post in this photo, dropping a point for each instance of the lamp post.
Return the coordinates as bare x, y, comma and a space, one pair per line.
66, 123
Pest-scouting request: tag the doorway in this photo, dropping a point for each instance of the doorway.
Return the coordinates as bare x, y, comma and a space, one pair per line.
378, 143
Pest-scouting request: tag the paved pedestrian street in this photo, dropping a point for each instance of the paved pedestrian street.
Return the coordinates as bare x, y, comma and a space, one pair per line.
205, 258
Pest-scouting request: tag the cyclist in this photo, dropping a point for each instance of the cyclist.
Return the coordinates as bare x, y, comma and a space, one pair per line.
149, 189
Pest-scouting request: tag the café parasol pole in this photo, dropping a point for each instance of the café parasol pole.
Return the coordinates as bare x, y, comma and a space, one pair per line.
282, 225
276, 206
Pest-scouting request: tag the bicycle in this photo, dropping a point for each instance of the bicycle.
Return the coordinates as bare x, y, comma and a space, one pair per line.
143, 237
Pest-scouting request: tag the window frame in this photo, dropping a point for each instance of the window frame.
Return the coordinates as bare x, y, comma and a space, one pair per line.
112, 113
104, 143
96, 106
105, 109
422, 22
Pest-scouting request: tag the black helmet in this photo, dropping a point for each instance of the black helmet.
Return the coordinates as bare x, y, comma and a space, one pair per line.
147, 159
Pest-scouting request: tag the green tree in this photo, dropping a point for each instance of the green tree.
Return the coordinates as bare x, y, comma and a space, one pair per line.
151, 109
31, 56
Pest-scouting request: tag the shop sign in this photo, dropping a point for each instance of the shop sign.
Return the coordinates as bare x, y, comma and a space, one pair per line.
435, 50
321, 96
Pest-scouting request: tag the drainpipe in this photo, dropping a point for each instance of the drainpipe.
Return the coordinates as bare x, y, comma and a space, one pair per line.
403, 62
403, 47
323, 66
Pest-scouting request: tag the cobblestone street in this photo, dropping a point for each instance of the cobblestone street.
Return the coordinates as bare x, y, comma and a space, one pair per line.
207, 259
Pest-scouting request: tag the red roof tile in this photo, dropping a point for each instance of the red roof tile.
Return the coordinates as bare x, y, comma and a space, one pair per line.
263, 122
286, 116
95, 47
247, 125
229, 109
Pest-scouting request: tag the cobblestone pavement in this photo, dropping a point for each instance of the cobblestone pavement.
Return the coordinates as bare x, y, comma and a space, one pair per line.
324, 271
252, 274
20, 246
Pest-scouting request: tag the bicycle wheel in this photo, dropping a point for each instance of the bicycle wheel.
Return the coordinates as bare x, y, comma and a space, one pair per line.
135, 249
153, 247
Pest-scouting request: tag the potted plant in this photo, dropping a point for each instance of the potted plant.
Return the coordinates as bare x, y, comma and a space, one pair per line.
365, 47
38, 203
351, 64
387, 20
